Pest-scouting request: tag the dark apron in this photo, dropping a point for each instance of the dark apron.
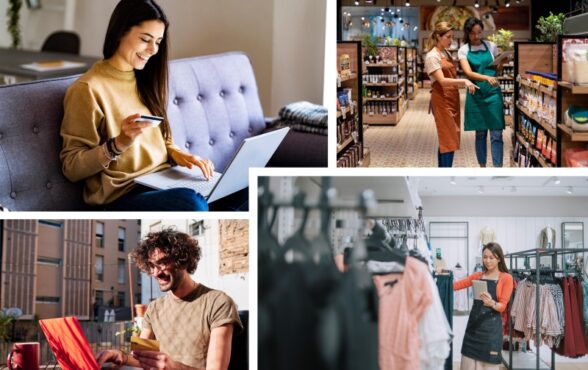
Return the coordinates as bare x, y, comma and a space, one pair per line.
483, 336
484, 109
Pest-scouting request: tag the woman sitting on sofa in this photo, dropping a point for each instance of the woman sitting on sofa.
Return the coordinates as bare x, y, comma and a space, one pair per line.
102, 142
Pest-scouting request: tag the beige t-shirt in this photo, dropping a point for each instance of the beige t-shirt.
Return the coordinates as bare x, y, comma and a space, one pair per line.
433, 62
183, 326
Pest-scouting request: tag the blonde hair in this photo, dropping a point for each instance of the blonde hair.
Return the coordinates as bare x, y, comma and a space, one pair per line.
441, 28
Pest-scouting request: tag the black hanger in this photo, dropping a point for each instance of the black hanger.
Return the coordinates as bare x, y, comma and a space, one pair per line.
457, 265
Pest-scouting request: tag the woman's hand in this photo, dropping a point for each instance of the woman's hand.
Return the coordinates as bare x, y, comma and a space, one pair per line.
487, 299
185, 159
130, 130
470, 86
111, 355
492, 81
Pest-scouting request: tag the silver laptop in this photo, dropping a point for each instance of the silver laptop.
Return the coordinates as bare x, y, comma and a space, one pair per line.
254, 151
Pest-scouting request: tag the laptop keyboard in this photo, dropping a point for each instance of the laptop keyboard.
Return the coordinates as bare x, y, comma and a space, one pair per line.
201, 186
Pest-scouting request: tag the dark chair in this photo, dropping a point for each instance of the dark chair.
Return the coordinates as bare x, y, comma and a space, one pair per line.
62, 42
240, 345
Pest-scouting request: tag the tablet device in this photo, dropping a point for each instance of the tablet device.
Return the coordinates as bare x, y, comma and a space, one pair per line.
502, 57
480, 286
153, 120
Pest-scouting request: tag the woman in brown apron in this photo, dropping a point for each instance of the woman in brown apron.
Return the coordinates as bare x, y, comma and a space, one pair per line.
445, 94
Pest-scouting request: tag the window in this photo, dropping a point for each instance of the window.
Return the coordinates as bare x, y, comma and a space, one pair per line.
121, 299
121, 271
121, 239
197, 228
99, 234
51, 223
99, 268
49, 261
46, 299
139, 278
99, 298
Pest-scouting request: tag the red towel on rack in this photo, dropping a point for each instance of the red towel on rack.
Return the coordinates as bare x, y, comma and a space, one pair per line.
69, 344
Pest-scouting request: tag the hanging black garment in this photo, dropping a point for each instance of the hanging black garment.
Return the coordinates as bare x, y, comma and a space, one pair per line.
483, 336
445, 287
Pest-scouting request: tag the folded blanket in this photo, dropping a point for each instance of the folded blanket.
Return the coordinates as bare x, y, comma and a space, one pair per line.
298, 126
305, 113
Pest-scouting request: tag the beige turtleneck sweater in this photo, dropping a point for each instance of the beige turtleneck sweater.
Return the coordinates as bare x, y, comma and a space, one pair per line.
94, 107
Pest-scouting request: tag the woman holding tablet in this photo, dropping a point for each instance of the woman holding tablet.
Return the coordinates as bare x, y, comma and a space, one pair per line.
105, 140
482, 342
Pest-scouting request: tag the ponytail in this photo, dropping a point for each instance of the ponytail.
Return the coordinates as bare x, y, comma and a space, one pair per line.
441, 28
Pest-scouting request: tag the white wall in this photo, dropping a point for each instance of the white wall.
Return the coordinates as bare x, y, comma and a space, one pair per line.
207, 273
284, 39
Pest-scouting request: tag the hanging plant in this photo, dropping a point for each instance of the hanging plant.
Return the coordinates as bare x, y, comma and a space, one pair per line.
550, 27
13, 18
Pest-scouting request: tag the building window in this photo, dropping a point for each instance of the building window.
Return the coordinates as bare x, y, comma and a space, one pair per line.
139, 278
121, 239
99, 268
49, 261
197, 228
99, 298
121, 299
46, 299
121, 271
99, 234
51, 223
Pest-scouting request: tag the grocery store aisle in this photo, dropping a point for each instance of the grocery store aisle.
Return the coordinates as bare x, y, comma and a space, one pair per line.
413, 142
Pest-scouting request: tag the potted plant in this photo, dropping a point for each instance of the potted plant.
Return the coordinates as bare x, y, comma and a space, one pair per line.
502, 39
550, 27
370, 46
140, 309
13, 18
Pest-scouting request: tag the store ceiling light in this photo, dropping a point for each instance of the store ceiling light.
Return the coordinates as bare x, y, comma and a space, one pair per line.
407, 3
480, 190
556, 181
356, 2
570, 190
507, 3
477, 4
452, 181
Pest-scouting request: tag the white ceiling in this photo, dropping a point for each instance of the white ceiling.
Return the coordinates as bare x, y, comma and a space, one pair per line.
503, 186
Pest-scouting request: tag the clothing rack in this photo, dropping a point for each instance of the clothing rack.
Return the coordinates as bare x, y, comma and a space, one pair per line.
538, 270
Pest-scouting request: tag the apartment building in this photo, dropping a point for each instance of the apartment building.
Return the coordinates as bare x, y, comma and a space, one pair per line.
53, 268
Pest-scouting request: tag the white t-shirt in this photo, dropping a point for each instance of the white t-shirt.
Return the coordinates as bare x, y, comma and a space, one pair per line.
433, 62
462, 53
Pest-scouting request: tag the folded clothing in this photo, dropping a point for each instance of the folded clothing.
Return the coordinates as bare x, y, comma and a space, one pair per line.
306, 117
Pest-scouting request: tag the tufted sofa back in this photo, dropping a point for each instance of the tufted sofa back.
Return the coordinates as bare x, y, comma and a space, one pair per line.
213, 105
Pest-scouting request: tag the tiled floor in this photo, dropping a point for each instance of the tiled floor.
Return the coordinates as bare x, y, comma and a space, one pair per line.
557, 366
413, 142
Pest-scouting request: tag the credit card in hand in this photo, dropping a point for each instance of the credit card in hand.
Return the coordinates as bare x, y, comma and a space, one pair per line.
153, 120
139, 344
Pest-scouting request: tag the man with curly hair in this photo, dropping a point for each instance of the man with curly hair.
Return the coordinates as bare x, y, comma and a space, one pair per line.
193, 323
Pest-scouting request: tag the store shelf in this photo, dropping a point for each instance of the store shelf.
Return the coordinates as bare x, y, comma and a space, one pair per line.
508, 120
365, 162
344, 144
380, 65
507, 78
351, 77
574, 136
576, 89
380, 84
381, 99
537, 86
544, 124
379, 119
507, 91
534, 152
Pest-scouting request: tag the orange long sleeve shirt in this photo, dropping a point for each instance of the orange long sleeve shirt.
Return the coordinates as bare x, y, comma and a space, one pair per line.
504, 287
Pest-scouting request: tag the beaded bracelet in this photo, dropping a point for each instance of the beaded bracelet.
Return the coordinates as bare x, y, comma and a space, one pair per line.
107, 152
111, 150
116, 150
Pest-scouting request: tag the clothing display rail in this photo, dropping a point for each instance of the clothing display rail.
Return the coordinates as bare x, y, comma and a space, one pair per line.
535, 254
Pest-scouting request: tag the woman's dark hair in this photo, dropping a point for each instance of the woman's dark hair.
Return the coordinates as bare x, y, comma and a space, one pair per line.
496, 250
151, 80
468, 26
181, 247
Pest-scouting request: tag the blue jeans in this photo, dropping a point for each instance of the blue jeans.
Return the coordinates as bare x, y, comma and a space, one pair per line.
445, 159
496, 146
142, 198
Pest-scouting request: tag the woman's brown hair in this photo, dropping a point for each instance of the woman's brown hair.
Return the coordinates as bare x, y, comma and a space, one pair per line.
152, 81
441, 28
496, 250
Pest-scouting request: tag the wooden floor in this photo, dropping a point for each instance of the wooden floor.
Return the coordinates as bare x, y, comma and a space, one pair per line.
413, 142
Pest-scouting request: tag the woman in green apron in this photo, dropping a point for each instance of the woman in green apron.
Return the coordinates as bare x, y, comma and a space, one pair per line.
482, 341
483, 111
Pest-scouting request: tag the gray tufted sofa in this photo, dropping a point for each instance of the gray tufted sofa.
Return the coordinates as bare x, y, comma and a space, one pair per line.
213, 105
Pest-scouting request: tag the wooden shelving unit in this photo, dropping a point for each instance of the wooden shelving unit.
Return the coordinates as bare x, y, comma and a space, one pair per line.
506, 80
411, 73
350, 148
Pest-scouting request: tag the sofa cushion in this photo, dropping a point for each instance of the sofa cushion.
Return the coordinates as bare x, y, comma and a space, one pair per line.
219, 95
30, 169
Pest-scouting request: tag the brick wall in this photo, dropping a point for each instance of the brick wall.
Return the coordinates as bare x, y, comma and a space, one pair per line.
234, 246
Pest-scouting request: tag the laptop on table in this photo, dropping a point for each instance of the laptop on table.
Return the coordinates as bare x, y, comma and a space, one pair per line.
254, 151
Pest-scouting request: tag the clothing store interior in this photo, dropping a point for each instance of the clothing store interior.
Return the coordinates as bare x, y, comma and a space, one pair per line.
526, 58
375, 269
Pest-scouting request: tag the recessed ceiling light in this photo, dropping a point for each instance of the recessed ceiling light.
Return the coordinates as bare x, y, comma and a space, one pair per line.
480, 189
570, 190
557, 181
